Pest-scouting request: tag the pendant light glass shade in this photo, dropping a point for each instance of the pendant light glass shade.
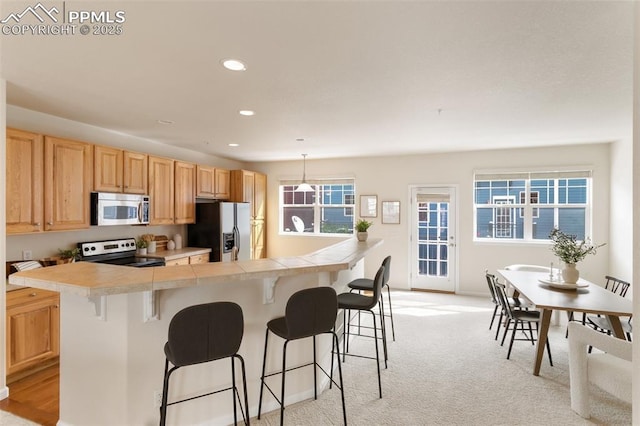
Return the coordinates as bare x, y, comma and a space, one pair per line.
304, 186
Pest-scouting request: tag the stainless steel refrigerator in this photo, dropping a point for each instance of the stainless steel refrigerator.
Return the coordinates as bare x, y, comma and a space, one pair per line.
224, 227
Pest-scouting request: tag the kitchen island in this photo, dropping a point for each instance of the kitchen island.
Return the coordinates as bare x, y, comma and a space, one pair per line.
114, 323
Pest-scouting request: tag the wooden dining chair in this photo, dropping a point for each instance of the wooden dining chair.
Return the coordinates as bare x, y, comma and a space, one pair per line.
519, 318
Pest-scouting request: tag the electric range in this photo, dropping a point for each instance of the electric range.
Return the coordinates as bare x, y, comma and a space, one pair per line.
116, 252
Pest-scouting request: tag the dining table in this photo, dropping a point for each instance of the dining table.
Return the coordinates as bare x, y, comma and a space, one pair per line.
547, 296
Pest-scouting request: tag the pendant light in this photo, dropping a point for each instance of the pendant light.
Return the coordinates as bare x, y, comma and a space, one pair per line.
304, 186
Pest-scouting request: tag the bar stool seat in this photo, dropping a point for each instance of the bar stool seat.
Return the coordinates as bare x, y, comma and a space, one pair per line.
204, 333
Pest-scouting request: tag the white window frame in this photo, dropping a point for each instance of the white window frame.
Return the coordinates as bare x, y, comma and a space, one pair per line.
318, 206
527, 211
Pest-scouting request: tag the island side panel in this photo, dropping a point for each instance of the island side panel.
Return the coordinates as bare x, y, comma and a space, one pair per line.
111, 369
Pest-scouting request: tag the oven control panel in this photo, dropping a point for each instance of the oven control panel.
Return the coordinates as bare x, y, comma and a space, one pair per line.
96, 248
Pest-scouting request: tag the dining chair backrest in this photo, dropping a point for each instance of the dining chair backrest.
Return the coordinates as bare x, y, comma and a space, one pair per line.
501, 294
490, 283
616, 285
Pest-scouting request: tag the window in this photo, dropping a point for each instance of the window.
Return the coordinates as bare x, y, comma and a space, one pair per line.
527, 206
328, 209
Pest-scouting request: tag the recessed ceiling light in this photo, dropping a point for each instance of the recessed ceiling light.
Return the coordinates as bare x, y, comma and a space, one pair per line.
300, 140
247, 112
233, 65
165, 122
234, 145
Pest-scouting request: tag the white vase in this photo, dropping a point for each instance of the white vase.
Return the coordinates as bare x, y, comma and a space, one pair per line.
178, 240
570, 274
152, 247
142, 250
362, 236
171, 245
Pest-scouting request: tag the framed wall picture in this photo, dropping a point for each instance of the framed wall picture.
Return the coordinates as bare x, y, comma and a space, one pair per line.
368, 205
391, 212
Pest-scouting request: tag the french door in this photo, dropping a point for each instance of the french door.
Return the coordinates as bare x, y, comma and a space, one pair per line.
433, 242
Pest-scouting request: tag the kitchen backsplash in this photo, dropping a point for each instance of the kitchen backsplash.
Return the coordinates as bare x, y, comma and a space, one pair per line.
46, 244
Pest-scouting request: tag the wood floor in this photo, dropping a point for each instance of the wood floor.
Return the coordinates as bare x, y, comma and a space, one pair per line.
36, 397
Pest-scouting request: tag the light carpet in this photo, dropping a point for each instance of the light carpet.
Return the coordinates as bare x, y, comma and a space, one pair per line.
8, 419
445, 368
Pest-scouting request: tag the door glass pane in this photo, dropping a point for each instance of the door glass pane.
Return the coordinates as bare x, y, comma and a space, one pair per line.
433, 234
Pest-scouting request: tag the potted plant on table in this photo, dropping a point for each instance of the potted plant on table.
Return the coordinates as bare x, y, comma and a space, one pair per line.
571, 251
361, 228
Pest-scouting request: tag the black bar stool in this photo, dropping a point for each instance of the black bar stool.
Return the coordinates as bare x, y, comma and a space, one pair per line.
359, 302
309, 312
204, 333
366, 284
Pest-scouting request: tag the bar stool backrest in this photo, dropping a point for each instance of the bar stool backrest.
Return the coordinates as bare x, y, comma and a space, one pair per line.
387, 270
311, 311
205, 332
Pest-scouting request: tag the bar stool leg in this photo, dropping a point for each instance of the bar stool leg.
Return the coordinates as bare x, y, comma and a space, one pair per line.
375, 339
264, 365
233, 390
393, 329
284, 372
315, 370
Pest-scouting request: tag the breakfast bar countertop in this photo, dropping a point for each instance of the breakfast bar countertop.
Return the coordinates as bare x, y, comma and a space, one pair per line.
95, 279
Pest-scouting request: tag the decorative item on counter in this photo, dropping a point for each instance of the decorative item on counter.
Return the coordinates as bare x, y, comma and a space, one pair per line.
178, 240
161, 242
142, 244
362, 226
68, 255
570, 251
171, 245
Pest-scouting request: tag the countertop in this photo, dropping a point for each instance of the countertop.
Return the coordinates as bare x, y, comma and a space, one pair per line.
96, 279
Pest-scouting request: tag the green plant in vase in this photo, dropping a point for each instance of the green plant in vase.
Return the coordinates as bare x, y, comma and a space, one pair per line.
361, 227
571, 251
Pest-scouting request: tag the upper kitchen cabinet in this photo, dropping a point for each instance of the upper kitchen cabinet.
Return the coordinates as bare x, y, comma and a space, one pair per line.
185, 192
251, 187
213, 182
117, 170
107, 170
68, 180
161, 190
135, 174
24, 182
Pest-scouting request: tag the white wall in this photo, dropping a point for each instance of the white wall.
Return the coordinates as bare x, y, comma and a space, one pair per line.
3, 148
390, 177
636, 203
621, 221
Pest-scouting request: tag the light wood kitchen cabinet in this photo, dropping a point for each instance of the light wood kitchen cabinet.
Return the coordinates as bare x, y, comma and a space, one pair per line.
135, 173
33, 328
117, 170
107, 170
24, 182
189, 260
161, 190
68, 180
185, 192
251, 187
213, 182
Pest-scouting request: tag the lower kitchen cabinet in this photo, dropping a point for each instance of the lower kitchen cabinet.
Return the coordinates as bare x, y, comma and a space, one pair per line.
189, 260
33, 328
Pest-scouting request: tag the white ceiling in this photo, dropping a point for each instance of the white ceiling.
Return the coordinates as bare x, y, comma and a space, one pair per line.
351, 78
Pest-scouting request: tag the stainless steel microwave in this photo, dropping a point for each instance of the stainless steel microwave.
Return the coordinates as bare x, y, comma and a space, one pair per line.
119, 209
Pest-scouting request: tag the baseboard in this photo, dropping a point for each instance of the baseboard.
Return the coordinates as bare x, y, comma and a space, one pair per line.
4, 393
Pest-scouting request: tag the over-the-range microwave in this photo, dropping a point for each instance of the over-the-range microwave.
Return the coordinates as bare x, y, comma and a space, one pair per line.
119, 209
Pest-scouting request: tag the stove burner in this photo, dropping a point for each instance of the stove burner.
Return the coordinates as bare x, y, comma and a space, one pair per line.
116, 252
